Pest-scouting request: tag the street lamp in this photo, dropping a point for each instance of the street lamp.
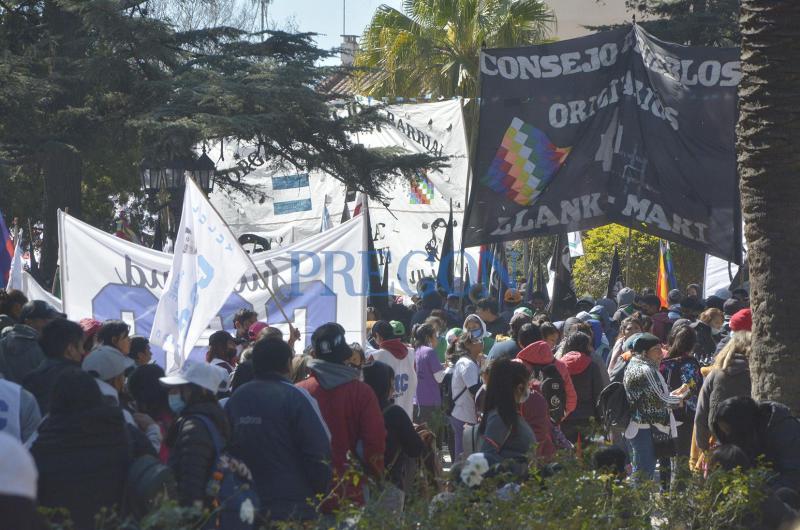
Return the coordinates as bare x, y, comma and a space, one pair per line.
170, 176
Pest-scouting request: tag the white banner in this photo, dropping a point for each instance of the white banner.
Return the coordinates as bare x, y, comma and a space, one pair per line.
288, 205
318, 280
575, 244
34, 291
207, 264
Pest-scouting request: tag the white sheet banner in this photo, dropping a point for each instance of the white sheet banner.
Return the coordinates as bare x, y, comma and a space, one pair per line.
34, 291
289, 203
575, 244
207, 264
318, 280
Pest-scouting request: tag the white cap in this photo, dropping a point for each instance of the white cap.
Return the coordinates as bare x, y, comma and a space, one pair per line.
18, 472
107, 362
210, 377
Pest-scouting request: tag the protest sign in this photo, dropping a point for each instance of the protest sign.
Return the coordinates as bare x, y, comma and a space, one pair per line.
318, 280
613, 127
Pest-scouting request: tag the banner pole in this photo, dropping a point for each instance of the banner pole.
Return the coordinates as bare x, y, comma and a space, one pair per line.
258, 272
628, 259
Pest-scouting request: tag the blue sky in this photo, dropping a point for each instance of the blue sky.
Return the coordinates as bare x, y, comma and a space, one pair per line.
325, 17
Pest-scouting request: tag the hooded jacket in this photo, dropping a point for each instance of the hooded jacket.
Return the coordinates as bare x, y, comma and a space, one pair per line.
536, 415
40, 382
402, 360
705, 346
279, 434
718, 386
83, 462
779, 436
539, 353
20, 353
588, 382
192, 451
351, 412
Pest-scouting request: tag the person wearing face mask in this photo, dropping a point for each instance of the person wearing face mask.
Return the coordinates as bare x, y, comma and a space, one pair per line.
192, 397
465, 383
505, 436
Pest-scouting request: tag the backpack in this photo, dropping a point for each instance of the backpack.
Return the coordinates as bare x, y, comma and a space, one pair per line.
235, 501
551, 385
148, 483
613, 406
617, 375
446, 388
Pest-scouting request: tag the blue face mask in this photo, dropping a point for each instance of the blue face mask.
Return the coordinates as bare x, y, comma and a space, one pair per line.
476, 333
176, 403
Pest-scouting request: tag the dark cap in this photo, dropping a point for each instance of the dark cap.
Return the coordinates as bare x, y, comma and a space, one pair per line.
642, 342
39, 309
732, 306
330, 343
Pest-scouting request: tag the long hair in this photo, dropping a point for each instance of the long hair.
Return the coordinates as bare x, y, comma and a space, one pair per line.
422, 334
682, 341
739, 344
504, 376
578, 341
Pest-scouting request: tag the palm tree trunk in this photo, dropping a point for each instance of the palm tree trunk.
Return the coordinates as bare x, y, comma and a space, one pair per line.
769, 166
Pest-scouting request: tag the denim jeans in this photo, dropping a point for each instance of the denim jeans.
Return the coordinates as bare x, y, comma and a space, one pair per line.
458, 435
644, 454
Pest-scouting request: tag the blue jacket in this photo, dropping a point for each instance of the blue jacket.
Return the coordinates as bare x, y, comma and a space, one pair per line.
279, 433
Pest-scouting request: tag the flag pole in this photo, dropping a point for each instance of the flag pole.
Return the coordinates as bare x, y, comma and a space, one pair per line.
258, 272
628, 258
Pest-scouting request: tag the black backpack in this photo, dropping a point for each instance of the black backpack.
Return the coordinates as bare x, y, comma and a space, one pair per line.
614, 408
551, 385
148, 484
446, 388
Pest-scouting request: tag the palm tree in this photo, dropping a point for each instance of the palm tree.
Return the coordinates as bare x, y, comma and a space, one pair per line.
769, 165
432, 47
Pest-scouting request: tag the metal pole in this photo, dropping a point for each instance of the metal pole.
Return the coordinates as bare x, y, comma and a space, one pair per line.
628, 259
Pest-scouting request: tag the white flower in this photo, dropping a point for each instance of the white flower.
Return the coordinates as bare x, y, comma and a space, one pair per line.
479, 461
247, 512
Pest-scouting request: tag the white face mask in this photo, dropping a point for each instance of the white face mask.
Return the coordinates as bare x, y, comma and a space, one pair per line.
525, 395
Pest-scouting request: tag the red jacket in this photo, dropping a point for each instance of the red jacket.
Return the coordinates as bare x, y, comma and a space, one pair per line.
539, 353
536, 414
355, 421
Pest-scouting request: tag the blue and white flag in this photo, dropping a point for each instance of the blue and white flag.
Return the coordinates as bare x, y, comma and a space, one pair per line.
575, 244
15, 273
208, 263
325, 222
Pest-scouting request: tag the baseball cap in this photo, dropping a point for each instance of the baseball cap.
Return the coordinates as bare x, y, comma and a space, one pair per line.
106, 362
524, 311
330, 343
39, 309
211, 377
255, 329
398, 328
512, 296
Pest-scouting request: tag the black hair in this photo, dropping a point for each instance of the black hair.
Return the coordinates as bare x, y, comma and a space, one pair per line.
58, 335
243, 315
528, 334
538, 295
610, 459
487, 304
146, 389
138, 345
681, 341
740, 415
9, 298
504, 376
728, 457
383, 329
651, 299
271, 356
692, 304
547, 329
110, 330
380, 377
517, 321
243, 373
422, 334
578, 341
74, 391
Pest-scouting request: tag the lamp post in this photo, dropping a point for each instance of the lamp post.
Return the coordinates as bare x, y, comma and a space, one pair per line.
166, 181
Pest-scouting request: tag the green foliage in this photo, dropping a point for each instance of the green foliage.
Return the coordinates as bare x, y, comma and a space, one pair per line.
689, 22
591, 271
433, 46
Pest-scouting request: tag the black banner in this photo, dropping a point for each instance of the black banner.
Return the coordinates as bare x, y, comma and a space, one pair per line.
614, 127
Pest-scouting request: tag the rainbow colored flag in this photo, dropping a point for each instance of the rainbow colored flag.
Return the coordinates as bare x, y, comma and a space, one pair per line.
421, 191
6, 252
665, 278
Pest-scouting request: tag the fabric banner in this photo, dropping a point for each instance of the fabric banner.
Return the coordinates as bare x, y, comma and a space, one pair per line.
613, 127
34, 291
318, 280
208, 262
289, 204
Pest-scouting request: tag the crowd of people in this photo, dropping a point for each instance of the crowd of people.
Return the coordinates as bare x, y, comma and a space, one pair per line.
476, 384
